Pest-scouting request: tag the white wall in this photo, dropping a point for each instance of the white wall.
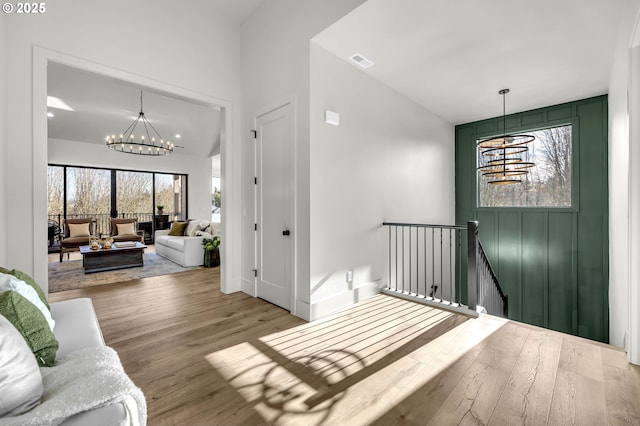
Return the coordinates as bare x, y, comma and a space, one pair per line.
275, 69
634, 203
97, 155
619, 195
388, 160
3, 138
190, 48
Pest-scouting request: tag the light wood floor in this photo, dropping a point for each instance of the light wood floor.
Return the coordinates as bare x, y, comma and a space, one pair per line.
202, 357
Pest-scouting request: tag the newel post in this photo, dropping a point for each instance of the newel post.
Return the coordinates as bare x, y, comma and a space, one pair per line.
472, 270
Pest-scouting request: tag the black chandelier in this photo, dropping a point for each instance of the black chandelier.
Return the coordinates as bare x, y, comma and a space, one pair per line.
144, 144
503, 163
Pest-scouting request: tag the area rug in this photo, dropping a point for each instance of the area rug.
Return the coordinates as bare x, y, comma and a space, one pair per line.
68, 275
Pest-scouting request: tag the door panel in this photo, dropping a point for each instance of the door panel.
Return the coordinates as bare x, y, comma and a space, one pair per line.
274, 206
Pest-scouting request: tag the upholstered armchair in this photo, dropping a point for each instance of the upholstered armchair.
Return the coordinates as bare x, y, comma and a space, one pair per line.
125, 230
76, 233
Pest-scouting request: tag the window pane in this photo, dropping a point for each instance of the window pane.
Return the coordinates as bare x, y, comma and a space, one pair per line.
134, 195
55, 191
548, 183
171, 195
89, 195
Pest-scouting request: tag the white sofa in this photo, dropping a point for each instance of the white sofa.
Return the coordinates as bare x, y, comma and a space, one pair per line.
77, 328
185, 250
86, 385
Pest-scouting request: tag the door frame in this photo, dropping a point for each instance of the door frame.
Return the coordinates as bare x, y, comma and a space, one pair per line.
231, 230
293, 267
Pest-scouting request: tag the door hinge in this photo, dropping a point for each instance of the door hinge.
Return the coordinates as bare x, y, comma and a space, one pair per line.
255, 226
255, 272
255, 180
255, 134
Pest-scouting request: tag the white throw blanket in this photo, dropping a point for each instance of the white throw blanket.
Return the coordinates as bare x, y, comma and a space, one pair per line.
80, 381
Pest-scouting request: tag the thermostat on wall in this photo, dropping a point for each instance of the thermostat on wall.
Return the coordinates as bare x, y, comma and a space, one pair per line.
331, 117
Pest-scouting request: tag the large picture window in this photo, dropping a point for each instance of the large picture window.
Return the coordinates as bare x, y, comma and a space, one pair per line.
77, 192
548, 183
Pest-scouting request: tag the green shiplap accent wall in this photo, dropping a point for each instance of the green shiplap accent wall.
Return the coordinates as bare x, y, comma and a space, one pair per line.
553, 263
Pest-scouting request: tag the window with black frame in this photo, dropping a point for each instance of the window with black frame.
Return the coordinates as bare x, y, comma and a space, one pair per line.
77, 192
547, 184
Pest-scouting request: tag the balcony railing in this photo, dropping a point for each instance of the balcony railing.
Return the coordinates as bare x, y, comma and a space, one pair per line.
103, 220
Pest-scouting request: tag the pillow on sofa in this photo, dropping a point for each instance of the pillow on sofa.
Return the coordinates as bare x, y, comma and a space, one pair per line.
9, 282
30, 322
194, 226
177, 229
126, 228
27, 279
20, 380
78, 229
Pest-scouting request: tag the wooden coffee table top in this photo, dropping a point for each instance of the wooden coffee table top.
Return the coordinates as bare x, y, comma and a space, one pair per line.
87, 249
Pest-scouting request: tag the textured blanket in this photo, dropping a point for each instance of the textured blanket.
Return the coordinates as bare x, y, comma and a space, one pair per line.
80, 381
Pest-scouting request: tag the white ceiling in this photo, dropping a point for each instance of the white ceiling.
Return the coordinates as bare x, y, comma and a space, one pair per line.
452, 57
104, 106
239, 10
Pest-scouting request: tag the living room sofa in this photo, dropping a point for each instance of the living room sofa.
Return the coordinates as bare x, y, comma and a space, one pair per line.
77, 328
87, 384
185, 249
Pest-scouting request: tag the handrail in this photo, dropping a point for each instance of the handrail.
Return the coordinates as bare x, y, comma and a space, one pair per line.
424, 225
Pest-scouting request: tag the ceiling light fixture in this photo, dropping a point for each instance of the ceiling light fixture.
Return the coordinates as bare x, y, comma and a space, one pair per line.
500, 159
50, 114
145, 144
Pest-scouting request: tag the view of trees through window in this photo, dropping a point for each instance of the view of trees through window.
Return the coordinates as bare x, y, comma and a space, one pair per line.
88, 194
548, 183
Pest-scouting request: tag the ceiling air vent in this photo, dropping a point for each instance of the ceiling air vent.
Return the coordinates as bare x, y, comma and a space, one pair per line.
361, 61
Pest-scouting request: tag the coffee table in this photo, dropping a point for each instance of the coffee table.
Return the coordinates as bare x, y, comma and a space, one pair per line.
113, 258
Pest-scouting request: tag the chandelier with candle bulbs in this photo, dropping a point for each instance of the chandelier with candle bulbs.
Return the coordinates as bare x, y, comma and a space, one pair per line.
144, 143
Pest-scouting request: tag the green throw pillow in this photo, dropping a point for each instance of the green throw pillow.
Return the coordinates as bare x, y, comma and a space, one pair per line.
4, 271
27, 279
177, 228
31, 324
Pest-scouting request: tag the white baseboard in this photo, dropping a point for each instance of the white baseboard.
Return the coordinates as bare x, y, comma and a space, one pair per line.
343, 300
302, 310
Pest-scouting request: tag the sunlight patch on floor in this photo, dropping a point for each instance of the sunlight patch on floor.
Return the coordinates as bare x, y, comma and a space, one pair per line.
359, 362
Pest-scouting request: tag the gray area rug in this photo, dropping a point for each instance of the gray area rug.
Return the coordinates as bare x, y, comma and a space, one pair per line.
68, 275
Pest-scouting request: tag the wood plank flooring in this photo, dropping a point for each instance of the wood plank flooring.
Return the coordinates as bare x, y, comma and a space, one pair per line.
202, 357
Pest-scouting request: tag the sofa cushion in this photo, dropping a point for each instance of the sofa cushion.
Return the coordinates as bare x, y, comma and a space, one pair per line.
78, 229
20, 380
177, 229
163, 240
9, 282
30, 281
30, 322
77, 326
176, 243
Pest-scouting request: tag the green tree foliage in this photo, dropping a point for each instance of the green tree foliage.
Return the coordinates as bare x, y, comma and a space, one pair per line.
215, 197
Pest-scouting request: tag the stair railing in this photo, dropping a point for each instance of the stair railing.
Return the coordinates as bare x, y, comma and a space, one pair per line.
425, 264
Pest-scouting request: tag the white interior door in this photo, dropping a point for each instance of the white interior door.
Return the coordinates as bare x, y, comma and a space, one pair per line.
274, 202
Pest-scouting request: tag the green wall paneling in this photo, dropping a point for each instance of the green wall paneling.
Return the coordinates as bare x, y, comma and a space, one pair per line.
552, 262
